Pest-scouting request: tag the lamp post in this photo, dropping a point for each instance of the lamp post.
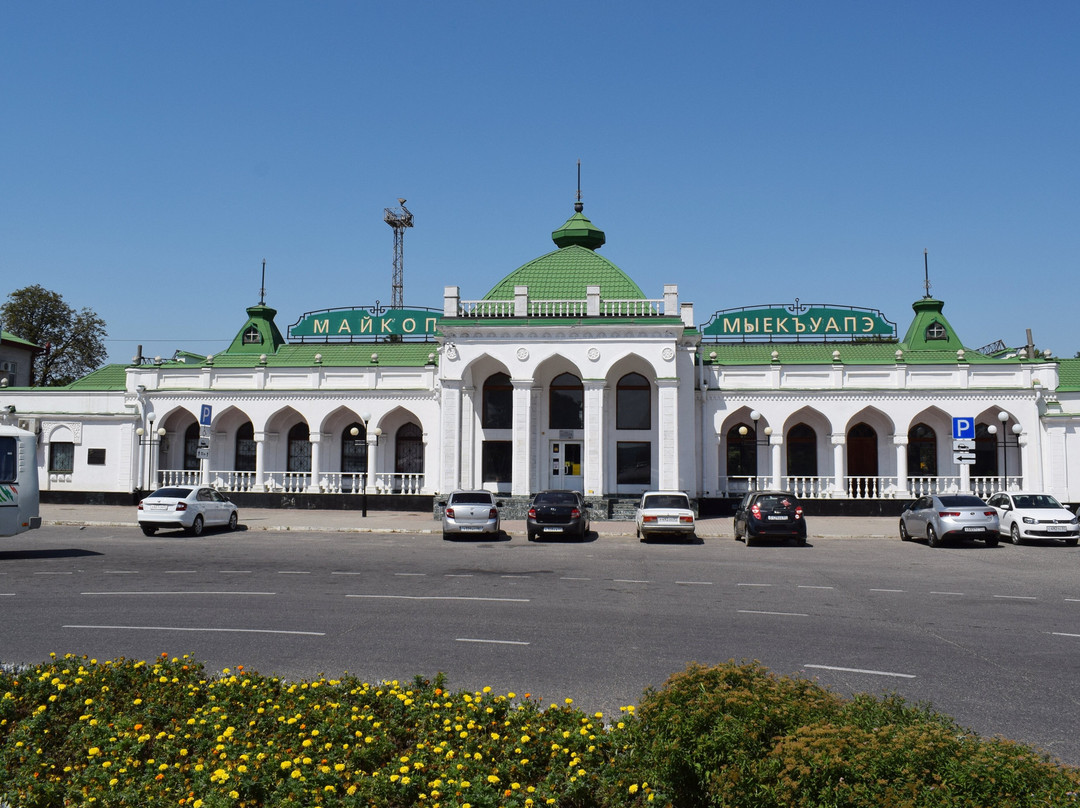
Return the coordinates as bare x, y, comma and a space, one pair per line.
377, 433
755, 416
149, 438
1016, 430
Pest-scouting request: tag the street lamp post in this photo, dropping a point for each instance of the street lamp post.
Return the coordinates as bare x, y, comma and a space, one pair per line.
755, 416
366, 418
1016, 430
149, 439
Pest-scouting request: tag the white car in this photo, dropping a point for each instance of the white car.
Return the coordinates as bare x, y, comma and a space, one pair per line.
189, 507
661, 512
1029, 515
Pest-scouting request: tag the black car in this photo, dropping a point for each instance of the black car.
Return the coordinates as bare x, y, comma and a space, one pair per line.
770, 513
557, 513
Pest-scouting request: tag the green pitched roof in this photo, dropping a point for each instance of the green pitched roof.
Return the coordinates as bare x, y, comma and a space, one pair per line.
110, 377
355, 354
7, 336
929, 321
261, 319
1069, 375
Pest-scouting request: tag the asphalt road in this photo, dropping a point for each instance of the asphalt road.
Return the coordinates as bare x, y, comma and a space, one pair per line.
990, 636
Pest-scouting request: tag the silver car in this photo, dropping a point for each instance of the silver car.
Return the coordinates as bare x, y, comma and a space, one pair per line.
949, 516
470, 512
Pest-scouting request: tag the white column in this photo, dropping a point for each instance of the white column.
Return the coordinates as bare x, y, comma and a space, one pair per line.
451, 436
522, 437
594, 437
316, 466
260, 461
776, 443
900, 443
839, 466
372, 460
1025, 461
470, 474
668, 393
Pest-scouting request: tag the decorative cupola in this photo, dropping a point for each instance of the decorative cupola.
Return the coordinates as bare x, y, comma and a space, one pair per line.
930, 331
260, 335
579, 231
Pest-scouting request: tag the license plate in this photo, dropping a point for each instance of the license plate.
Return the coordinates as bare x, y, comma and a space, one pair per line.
553, 530
470, 529
668, 520
974, 529
1056, 528
777, 518
159, 507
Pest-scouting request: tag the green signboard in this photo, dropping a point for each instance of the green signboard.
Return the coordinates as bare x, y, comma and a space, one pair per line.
798, 321
347, 324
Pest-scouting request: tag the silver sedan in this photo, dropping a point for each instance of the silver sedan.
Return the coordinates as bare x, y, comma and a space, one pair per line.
949, 516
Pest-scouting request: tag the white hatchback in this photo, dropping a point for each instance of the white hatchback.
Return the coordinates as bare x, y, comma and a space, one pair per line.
1039, 517
189, 507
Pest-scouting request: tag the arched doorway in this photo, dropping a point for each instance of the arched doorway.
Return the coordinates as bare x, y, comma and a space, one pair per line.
862, 451
922, 451
802, 458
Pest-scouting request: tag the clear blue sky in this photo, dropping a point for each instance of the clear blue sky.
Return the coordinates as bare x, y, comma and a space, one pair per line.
152, 154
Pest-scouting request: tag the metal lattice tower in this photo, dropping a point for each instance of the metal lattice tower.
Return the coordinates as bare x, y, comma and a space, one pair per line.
399, 220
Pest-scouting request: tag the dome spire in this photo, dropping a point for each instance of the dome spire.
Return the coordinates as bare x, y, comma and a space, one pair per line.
578, 230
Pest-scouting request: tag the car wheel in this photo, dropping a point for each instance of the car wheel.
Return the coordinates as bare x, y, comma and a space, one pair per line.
992, 539
904, 535
1072, 542
932, 537
1014, 535
196, 528
748, 539
234, 519
531, 536
148, 530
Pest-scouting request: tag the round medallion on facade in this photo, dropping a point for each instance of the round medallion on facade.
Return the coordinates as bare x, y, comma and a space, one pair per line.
451, 352
523, 354
668, 354
594, 354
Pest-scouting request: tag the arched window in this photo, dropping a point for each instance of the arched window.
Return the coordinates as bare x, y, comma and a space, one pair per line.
354, 449
802, 451
566, 402
921, 451
409, 450
936, 331
742, 451
986, 453
244, 457
191, 448
862, 453
633, 402
498, 404
299, 458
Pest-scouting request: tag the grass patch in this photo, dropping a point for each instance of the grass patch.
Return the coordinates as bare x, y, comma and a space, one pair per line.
76, 731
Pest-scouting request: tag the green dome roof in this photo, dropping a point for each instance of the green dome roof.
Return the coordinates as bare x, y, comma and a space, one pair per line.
566, 273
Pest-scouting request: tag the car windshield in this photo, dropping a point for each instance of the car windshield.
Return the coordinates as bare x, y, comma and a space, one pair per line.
471, 498
777, 502
667, 501
556, 498
1039, 501
962, 502
173, 493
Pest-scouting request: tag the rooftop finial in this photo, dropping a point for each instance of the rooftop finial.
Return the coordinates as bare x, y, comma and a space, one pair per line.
262, 286
578, 207
926, 271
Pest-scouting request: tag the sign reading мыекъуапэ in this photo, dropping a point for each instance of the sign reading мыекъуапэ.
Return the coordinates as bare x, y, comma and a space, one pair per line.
798, 321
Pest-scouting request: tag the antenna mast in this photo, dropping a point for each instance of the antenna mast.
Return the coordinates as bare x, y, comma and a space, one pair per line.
399, 220
262, 286
926, 272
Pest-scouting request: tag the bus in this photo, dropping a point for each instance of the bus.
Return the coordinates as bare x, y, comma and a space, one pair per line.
18, 481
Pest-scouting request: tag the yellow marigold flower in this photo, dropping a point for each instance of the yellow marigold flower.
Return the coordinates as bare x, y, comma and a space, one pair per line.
93, 750
234, 794
295, 774
633, 788
493, 778
286, 764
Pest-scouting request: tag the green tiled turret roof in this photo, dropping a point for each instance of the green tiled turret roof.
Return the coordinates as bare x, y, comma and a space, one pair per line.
566, 273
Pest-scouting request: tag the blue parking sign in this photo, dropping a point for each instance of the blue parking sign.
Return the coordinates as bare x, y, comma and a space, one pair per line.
963, 428
204, 415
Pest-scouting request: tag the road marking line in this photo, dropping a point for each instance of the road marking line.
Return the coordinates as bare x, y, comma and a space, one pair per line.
178, 593
237, 572
179, 572
1072, 600
493, 642
862, 670
574, 579
54, 573
1016, 597
220, 630
440, 597
294, 572
958, 594
411, 574
346, 573
695, 583
780, 614
1063, 634
753, 584
7, 594
627, 581
886, 590
121, 572
807, 586
457, 575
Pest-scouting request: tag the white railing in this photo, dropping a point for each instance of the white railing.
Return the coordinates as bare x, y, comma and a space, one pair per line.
486, 308
337, 482
388, 483
178, 477
807, 487
632, 308
298, 482
232, 480
988, 486
557, 308
871, 488
287, 482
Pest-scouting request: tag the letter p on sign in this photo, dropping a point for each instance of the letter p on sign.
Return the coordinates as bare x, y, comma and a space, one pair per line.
963, 428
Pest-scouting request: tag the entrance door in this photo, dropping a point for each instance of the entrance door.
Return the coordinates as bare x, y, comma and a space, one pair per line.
564, 466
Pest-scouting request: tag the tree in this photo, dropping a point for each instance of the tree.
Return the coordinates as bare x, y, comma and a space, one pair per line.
72, 342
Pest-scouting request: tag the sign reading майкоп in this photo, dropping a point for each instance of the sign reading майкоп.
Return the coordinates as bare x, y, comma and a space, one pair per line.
351, 323
798, 320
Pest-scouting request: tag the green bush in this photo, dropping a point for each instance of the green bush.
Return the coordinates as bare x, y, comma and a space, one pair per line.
75, 731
